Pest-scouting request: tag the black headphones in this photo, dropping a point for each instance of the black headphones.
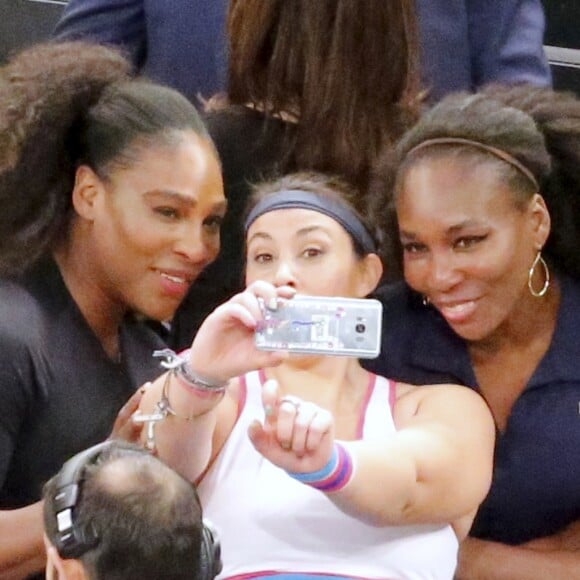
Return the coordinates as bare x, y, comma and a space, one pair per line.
71, 542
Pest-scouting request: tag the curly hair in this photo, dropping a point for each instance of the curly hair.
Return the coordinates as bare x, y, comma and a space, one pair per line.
539, 127
63, 105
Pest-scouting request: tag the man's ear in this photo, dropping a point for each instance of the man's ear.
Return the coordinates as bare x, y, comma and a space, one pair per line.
541, 221
59, 569
87, 188
371, 271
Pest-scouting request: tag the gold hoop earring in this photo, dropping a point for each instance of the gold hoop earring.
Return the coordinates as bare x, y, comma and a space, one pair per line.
544, 289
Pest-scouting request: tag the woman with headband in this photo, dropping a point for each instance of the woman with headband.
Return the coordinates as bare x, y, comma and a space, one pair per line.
312, 86
309, 466
487, 195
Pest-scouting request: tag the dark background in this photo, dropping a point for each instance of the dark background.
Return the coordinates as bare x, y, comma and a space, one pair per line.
25, 21
564, 31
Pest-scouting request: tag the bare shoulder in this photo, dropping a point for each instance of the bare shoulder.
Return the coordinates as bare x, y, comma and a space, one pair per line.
445, 400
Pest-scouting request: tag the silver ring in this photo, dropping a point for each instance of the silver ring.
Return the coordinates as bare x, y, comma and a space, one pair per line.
294, 401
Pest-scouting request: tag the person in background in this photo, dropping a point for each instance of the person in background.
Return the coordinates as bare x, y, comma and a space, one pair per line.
116, 512
180, 43
464, 43
312, 86
486, 190
309, 466
467, 44
112, 201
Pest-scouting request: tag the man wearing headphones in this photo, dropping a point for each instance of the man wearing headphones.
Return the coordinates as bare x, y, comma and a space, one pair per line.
116, 512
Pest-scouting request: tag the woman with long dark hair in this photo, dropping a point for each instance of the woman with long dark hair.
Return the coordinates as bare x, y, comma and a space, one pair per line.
112, 201
319, 86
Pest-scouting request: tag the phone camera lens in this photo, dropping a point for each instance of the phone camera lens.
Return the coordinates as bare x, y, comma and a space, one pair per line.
360, 328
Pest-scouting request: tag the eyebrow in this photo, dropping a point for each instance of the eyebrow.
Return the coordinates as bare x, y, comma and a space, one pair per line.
260, 236
310, 229
302, 232
451, 230
182, 199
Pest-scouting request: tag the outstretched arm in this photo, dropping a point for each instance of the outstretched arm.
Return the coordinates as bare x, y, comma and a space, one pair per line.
224, 348
437, 468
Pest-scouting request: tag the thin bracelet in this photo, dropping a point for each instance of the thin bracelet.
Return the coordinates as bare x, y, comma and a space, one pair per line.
162, 409
334, 476
178, 363
164, 405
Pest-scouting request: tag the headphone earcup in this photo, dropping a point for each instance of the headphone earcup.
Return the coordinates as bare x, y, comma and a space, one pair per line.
210, 561
69, 540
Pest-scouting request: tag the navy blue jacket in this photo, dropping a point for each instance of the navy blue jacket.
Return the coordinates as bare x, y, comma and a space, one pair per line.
536, 482
465, 43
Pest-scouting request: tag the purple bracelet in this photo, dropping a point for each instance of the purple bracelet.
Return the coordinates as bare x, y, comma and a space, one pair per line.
334, 476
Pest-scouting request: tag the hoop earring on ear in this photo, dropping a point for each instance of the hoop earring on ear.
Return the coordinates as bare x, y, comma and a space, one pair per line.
544, 289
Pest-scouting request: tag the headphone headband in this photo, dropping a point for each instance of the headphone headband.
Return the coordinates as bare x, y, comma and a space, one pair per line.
72, 542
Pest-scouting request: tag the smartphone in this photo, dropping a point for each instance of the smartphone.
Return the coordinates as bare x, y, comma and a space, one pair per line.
322, 325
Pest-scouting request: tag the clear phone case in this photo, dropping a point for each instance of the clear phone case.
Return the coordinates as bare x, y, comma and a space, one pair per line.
323, 325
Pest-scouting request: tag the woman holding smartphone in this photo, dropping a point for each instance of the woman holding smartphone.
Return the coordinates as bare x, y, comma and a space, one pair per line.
308, 465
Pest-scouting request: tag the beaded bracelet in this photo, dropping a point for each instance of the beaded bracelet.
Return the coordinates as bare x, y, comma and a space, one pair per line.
334, 476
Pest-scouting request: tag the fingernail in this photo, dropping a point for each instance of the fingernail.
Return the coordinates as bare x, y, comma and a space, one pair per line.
270, 387
273, 304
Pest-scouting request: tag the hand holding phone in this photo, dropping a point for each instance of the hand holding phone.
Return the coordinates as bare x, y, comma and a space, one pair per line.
322, 325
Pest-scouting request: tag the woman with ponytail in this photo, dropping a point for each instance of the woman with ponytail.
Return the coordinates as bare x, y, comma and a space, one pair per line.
486, 191
112, 200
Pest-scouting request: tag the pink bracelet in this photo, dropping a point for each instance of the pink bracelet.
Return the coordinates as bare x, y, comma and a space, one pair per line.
334, 476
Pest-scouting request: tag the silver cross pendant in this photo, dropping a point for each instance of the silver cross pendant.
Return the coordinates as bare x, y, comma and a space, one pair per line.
151, 421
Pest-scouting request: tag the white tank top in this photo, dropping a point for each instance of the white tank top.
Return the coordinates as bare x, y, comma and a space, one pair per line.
267, 522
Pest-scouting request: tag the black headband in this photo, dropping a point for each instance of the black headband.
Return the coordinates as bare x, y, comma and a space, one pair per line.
298, 199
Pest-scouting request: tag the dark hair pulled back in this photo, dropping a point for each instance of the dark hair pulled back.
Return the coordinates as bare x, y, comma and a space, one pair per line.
63, 105
327, 186
537, 126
